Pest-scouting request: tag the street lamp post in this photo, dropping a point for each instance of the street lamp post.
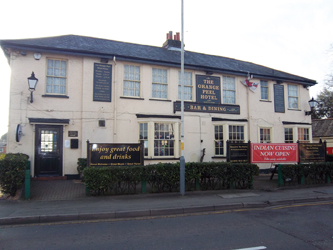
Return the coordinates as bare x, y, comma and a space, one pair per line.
182, 158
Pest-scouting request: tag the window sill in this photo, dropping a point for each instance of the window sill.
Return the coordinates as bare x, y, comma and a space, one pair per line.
158, 159
219, 157
132, 97
294, 109
262, 100
160, 100
56, 96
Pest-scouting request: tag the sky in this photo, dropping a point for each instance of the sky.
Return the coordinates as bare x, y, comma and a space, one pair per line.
294, 36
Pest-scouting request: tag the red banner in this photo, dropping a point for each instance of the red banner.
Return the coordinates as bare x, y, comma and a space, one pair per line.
274, 152
329, 150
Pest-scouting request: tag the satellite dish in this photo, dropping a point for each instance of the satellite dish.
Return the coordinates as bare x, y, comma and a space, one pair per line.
18, 132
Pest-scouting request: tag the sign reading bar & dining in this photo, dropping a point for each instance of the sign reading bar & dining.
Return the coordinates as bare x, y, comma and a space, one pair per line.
115, 154
274, 152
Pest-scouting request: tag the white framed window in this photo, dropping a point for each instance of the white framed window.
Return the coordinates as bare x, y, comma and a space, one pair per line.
56, 77
265, 135
160, 83
224, 132
132, 81
303, 135
229, 90
188, 86
219, 143
161, 139
264, 90
292, 97
288, 135
296, 133
143, 136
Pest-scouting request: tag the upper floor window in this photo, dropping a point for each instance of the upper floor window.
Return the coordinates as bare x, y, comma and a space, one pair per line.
187, 86
160, 83
229, 90
131, 80
292, 97
56, 77
264, 90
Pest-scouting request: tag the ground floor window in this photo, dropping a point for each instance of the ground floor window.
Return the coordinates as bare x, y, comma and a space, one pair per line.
294, 134
288, 135
303, 135
265, 135
219, 140
222, 133
160, 139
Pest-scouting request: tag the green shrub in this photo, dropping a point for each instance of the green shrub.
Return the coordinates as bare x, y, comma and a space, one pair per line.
164, 177
12, 172
81, 165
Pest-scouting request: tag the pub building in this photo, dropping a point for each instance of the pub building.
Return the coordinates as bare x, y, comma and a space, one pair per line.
106, 91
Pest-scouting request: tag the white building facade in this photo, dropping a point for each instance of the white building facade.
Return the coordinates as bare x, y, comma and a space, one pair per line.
114, 92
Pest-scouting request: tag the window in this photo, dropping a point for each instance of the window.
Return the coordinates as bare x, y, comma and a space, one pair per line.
264, 90
219, 140
303, 135
265, 135
288, 135
160, 139
229, 90
224, 133
131, 80
164, 139
187, 86
292, 97
143, 136
236, 133
160, 83
56, 77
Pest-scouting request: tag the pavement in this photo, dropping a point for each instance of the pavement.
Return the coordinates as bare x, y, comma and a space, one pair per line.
66, 200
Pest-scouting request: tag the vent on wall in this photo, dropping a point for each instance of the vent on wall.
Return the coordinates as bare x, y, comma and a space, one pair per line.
101, 123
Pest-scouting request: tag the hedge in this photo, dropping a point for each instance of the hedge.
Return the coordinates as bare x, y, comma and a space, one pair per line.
314, 173
164, 177
12, 172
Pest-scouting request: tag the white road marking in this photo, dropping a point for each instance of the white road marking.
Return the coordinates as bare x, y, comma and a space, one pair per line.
252, 248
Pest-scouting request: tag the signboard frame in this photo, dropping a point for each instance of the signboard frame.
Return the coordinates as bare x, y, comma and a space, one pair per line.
115, 154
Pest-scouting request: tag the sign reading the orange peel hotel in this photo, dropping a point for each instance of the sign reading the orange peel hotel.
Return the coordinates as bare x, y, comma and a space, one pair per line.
274, 152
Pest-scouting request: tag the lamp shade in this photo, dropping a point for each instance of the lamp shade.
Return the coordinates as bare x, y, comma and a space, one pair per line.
32, 81
312, 103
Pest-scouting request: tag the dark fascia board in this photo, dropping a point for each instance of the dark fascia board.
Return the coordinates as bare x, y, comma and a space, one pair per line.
48, 120
295, 123
306, 82
158, 116
216, 119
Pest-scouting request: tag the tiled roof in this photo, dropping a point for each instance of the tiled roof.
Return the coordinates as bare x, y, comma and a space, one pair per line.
88, 46
322, 127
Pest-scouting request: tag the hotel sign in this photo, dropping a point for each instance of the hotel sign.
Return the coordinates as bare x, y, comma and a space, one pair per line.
208, 89
209, 108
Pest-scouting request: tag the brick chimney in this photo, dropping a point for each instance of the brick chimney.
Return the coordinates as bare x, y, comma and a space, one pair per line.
172, 43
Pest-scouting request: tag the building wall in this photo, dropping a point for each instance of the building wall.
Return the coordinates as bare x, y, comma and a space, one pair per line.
120, 115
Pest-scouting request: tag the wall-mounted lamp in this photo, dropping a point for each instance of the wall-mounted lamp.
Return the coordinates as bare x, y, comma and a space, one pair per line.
313, 103
32, 82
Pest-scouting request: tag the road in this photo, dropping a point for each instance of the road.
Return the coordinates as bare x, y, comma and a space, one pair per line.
304, 226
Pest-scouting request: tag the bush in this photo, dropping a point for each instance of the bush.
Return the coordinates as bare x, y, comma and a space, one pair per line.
164, 177
81, 165
12, 172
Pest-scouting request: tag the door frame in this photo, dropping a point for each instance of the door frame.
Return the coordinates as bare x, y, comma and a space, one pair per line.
38, 127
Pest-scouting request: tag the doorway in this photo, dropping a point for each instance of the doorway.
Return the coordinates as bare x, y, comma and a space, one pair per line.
48, 150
